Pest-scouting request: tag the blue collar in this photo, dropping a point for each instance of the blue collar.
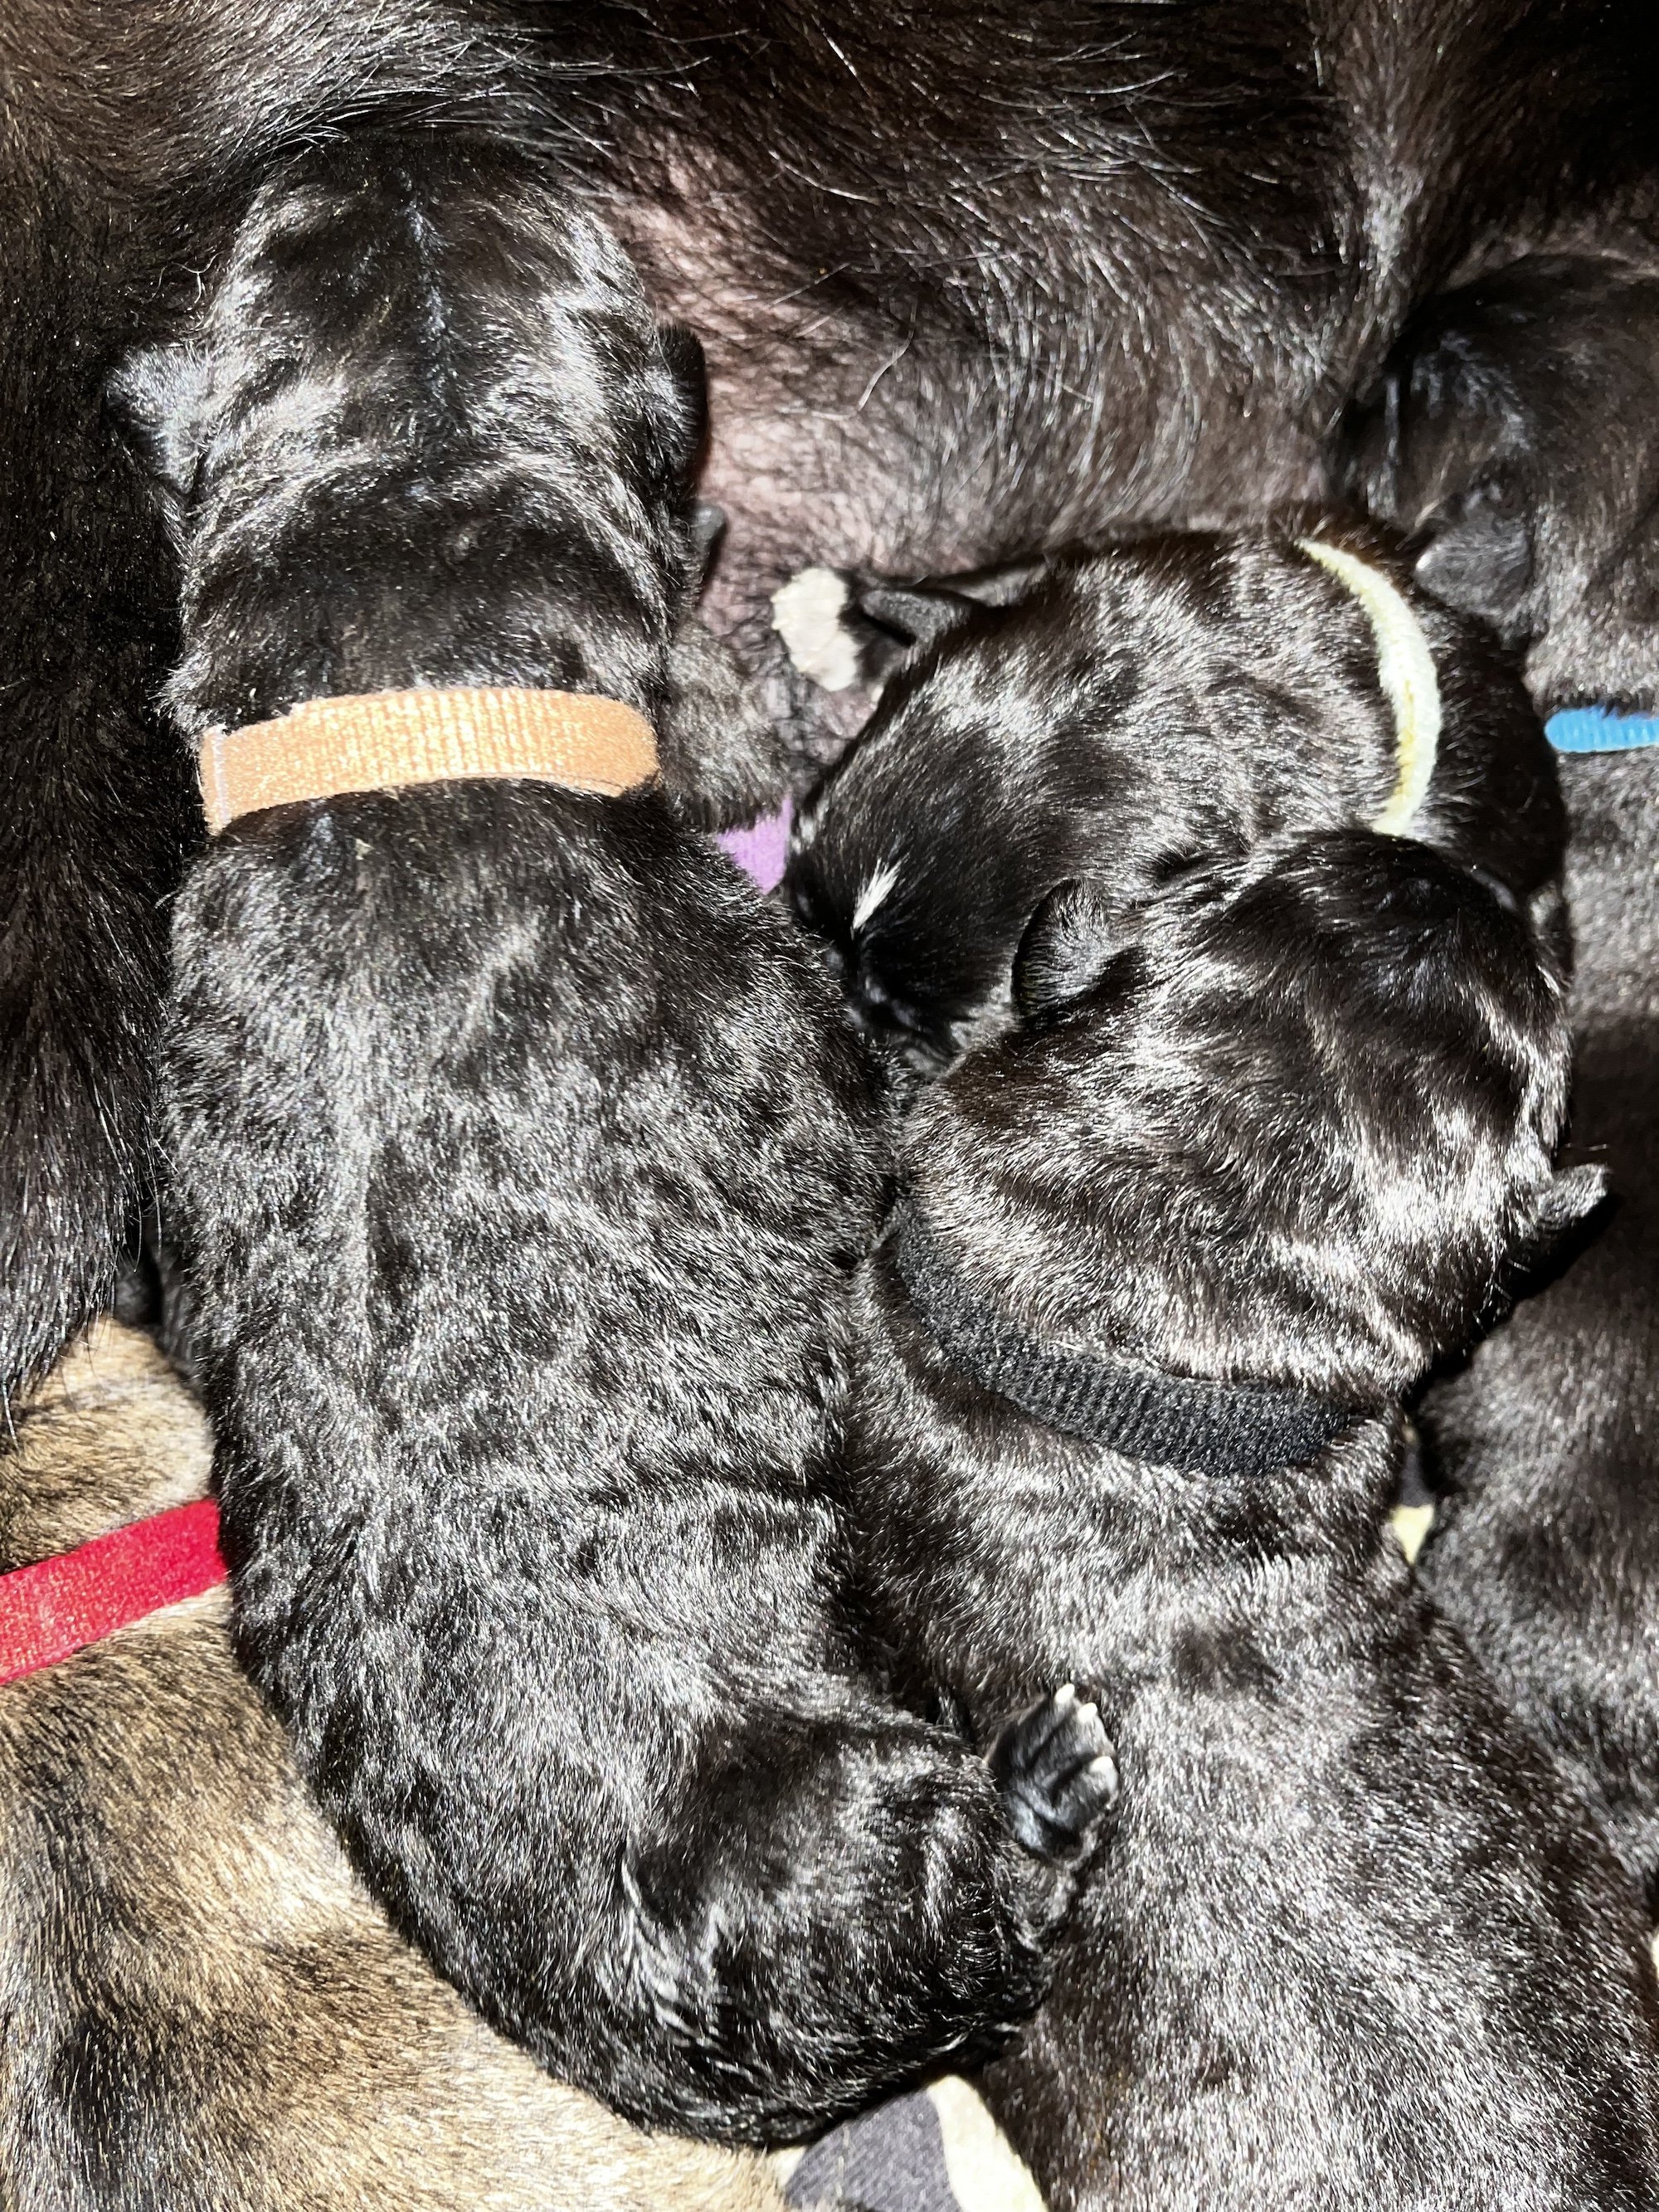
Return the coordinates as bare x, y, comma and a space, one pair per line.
1598, 730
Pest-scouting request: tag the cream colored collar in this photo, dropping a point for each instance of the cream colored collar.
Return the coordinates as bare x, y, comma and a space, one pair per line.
1405, 668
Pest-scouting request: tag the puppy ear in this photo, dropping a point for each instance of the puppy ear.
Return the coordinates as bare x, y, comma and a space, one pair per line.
1073, 949
1479, 557
1566, 1219
663, 437
722, 760
841, 627
682, 352
156, 397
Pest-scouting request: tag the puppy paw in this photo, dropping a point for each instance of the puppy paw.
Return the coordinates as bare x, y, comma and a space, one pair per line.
1058, 1776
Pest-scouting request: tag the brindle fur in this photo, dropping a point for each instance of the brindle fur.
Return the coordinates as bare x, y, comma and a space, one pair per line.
199, 2006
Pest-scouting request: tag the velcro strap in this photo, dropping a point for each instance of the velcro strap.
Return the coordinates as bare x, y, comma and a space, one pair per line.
385, 740
1166, 1420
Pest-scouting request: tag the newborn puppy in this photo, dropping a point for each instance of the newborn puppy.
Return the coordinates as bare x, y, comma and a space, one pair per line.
520, 1161
203, 2010
1491, 449
1127, 1410
971, 273
1113, 716
1511, 446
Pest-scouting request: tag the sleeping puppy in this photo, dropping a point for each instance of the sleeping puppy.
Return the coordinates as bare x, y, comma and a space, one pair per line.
1115, 715
203, 2010
520, 1161
1126, 1410
1510, 445
1492, 450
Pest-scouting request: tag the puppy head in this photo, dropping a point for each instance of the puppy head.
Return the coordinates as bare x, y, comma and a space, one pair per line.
423, 429
920, 858
1293, 1127
1120, 717
1515, 446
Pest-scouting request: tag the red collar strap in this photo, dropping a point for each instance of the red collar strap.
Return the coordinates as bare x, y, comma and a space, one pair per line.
60, 1605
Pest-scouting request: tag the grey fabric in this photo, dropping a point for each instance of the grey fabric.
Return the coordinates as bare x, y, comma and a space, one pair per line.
891, 2160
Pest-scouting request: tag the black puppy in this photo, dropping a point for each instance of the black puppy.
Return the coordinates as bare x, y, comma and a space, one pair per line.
1127, 1407
1511, 446
521, 1159
1120, 715
1491, 449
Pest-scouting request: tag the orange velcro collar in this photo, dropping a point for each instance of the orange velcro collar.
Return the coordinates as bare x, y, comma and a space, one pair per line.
382, 740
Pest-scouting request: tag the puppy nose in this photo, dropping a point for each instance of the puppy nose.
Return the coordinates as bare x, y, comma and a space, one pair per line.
879, 1009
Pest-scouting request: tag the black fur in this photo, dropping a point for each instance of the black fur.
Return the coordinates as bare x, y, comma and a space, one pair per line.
1495, 445
1355, 1944
1117, 718
1265, 1107
1514, 447
520, 1161
970, 278
427, 402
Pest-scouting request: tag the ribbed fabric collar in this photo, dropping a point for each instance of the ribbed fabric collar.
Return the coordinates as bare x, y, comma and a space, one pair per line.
1166, 1420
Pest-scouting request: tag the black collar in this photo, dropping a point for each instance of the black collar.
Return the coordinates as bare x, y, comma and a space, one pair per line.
1169, 1420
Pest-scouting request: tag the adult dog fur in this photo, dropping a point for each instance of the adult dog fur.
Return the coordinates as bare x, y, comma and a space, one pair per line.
520, 1158
1355, 1943
199, 2006
1503, 409
970, 279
